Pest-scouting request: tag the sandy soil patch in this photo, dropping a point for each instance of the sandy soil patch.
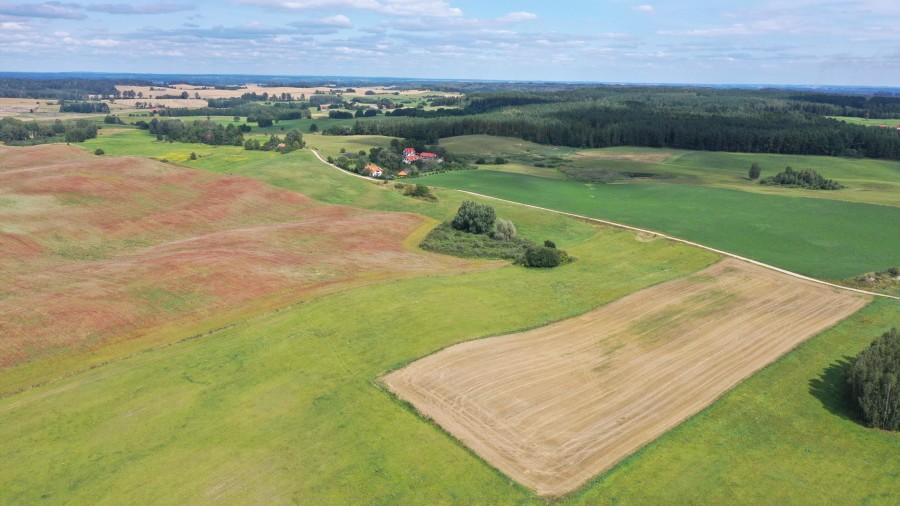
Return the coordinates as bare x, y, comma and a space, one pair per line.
94, 249
555, 406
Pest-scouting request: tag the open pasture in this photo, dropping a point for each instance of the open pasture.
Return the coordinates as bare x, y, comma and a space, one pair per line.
822, 238
554, 406
283, 407
101, 249
864, 180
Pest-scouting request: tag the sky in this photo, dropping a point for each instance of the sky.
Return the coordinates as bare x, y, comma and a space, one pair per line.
806, 42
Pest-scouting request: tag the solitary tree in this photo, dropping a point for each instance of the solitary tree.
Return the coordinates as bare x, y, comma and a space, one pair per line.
506, 231
874, 381
474, 218
755, 171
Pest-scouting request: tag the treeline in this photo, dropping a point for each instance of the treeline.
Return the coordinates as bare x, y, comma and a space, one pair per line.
21, 133
84, 107
589, 124
698, 100
254, 111
204, 132
60, 88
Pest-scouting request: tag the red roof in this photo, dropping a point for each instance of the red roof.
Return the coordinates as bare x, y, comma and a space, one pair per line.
428, 155
409, 151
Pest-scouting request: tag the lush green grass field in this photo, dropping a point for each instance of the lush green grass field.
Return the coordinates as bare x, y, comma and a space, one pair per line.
868, 122
287, 408
284, 409
821, 238
865, 180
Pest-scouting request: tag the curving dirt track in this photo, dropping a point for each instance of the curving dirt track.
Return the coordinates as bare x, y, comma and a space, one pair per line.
555, 406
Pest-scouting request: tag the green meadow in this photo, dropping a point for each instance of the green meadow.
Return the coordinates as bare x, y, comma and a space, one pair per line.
817, 237
864, 180
287, 408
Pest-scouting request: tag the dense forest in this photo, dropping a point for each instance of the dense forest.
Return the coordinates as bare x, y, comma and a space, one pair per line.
22, 133
683, 118
70, 88
204, 132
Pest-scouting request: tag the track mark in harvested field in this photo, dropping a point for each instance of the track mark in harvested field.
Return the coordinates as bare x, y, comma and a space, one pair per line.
554, 406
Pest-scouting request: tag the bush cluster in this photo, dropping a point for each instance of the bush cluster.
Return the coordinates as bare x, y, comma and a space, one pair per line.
807, 178
471, 233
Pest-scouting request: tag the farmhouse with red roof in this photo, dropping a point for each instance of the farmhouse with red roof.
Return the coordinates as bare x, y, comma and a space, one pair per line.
410, 156
372, 170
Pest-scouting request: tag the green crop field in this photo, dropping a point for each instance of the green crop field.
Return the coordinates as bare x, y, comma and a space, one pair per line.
817, 237
868, 122
865, 180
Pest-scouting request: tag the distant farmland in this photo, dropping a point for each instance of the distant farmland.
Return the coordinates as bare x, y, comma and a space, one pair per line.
554, 406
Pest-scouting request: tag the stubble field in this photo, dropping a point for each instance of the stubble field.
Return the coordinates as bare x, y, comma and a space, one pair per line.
554, 406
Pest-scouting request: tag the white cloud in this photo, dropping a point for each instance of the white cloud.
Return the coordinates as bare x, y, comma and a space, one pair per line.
49, 10
516, 17
340, 20
13, 26
646, 9
101, 43
134, 9
428, 8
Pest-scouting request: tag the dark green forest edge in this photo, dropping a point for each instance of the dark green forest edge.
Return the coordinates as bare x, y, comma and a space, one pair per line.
694, 118
874, 382
683, 118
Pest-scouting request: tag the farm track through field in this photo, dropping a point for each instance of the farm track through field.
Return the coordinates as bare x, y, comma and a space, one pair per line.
690, 243
646, 231
555, 406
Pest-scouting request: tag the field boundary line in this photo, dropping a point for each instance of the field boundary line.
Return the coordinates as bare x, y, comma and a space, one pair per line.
646, 231
685, 241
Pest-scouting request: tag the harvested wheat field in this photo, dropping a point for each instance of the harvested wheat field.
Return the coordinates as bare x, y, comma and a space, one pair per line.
555, 406
101, 249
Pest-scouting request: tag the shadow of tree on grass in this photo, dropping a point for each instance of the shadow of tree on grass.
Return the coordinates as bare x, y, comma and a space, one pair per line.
832, 391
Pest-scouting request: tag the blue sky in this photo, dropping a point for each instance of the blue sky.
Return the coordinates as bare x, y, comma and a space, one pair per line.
817, 42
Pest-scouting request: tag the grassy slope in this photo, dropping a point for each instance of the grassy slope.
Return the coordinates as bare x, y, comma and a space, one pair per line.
821, 238
866, 180
284, 408
770, 437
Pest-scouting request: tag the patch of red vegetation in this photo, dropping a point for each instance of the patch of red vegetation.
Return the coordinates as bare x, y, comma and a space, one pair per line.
17, 247
133, 244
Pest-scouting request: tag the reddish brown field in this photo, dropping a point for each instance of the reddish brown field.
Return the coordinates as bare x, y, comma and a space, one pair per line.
555, 406
97, 249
